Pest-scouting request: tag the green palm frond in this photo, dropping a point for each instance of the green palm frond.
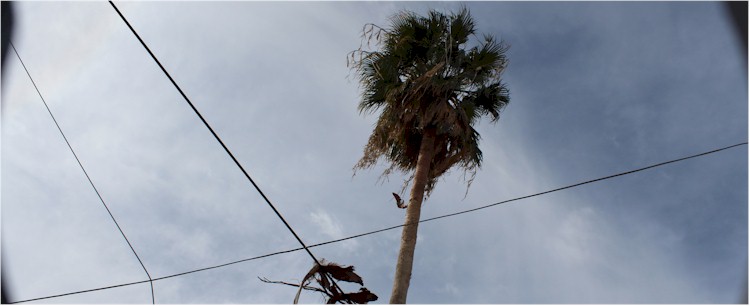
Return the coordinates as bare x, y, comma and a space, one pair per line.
423, 76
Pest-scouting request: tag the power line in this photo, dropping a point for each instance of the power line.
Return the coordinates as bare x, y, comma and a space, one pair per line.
402, 225
85, 173
214, 133
587, 182
236, 162
82, 291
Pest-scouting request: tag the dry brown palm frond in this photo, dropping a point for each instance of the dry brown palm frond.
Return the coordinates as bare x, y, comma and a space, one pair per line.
326, 274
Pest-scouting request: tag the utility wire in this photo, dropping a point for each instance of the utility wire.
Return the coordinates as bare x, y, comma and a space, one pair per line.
85, 173
402, 225
221, 142
214, 133
586, 182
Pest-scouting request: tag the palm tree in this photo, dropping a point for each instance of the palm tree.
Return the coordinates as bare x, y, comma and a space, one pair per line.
431, 88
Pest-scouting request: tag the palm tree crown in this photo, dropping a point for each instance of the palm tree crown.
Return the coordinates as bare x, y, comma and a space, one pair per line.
426, 80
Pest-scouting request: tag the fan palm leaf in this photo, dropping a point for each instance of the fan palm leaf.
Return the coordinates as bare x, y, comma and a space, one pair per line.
430, 88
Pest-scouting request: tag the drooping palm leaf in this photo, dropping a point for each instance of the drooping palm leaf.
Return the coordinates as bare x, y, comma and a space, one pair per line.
424, 75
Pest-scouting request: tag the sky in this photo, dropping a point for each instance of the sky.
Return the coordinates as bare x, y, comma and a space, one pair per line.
597, 88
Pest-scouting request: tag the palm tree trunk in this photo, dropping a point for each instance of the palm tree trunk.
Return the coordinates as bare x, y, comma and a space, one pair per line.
409, 233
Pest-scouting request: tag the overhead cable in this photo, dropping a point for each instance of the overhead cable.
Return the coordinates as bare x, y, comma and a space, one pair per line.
236, 162
86, 173
402, 225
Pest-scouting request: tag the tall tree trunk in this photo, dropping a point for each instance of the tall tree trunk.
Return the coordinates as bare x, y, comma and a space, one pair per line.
409, 233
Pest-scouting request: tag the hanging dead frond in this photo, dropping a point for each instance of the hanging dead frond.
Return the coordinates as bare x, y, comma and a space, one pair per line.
340, 273
364, 296
326, 274
399, 201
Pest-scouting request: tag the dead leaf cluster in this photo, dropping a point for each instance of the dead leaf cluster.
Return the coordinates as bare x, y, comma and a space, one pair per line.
325, 275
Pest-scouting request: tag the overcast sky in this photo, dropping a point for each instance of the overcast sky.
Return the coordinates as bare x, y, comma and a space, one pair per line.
596, 89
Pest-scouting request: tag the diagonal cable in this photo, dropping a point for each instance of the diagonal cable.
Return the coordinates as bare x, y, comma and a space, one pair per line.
84, 172
402, 225
215, 135
236, 162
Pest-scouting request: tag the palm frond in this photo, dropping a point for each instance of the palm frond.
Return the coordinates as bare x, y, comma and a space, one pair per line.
423, 76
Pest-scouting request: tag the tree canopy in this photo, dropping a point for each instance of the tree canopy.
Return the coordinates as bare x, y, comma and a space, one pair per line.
425, 76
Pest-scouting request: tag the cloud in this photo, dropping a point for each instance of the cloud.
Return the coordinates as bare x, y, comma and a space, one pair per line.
331, 228
271, 79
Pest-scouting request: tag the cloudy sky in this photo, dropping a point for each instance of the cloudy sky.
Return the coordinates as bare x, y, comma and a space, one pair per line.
596, 89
